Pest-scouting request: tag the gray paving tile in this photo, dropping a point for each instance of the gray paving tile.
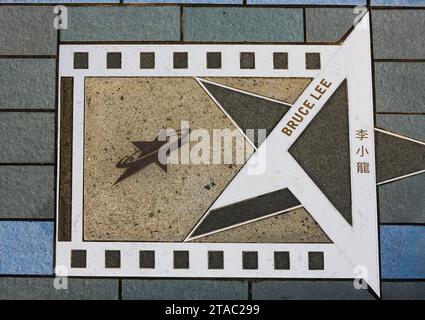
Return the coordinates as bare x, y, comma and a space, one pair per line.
397, 3
243, 24
187, 1
27, 137
396, 157
399, 86
27, 83
27, 192
403, 290
403, 201
408, 125
26, 247
43, 289
60, 1
402, 256
308, 290
398, 34
122, 24
309, 2
184, 289
27, 30
328, 24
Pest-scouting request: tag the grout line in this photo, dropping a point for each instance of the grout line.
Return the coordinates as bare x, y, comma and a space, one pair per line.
249, 290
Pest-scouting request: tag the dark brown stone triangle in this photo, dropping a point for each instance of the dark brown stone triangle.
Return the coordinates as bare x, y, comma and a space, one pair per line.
247, 210
295, 226
323, 151
397, 157
248, 111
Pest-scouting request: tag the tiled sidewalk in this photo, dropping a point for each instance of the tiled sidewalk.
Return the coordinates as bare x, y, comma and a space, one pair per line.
28, 63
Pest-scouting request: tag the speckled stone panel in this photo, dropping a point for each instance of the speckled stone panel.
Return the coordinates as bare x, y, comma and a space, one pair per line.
151, 205
296, 226
284, 89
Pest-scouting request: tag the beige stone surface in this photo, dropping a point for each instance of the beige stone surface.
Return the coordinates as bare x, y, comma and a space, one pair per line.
151, 205
296, 226
284, 89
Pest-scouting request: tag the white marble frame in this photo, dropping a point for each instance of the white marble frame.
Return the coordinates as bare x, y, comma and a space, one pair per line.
352, 248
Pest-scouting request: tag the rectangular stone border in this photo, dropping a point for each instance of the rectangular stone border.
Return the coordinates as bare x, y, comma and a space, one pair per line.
336, 264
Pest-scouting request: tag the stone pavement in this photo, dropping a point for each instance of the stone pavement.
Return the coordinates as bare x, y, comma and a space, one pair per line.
28, 113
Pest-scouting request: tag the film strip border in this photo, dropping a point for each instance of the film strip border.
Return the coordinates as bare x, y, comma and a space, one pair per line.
194, 60
83, 258
203, 260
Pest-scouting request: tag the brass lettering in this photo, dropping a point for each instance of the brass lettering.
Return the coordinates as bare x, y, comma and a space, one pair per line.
309, 105
301, 110
287, 131
292, 124
326, 84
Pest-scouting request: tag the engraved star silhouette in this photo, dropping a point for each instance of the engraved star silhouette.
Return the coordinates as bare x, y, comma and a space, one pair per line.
146, 154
